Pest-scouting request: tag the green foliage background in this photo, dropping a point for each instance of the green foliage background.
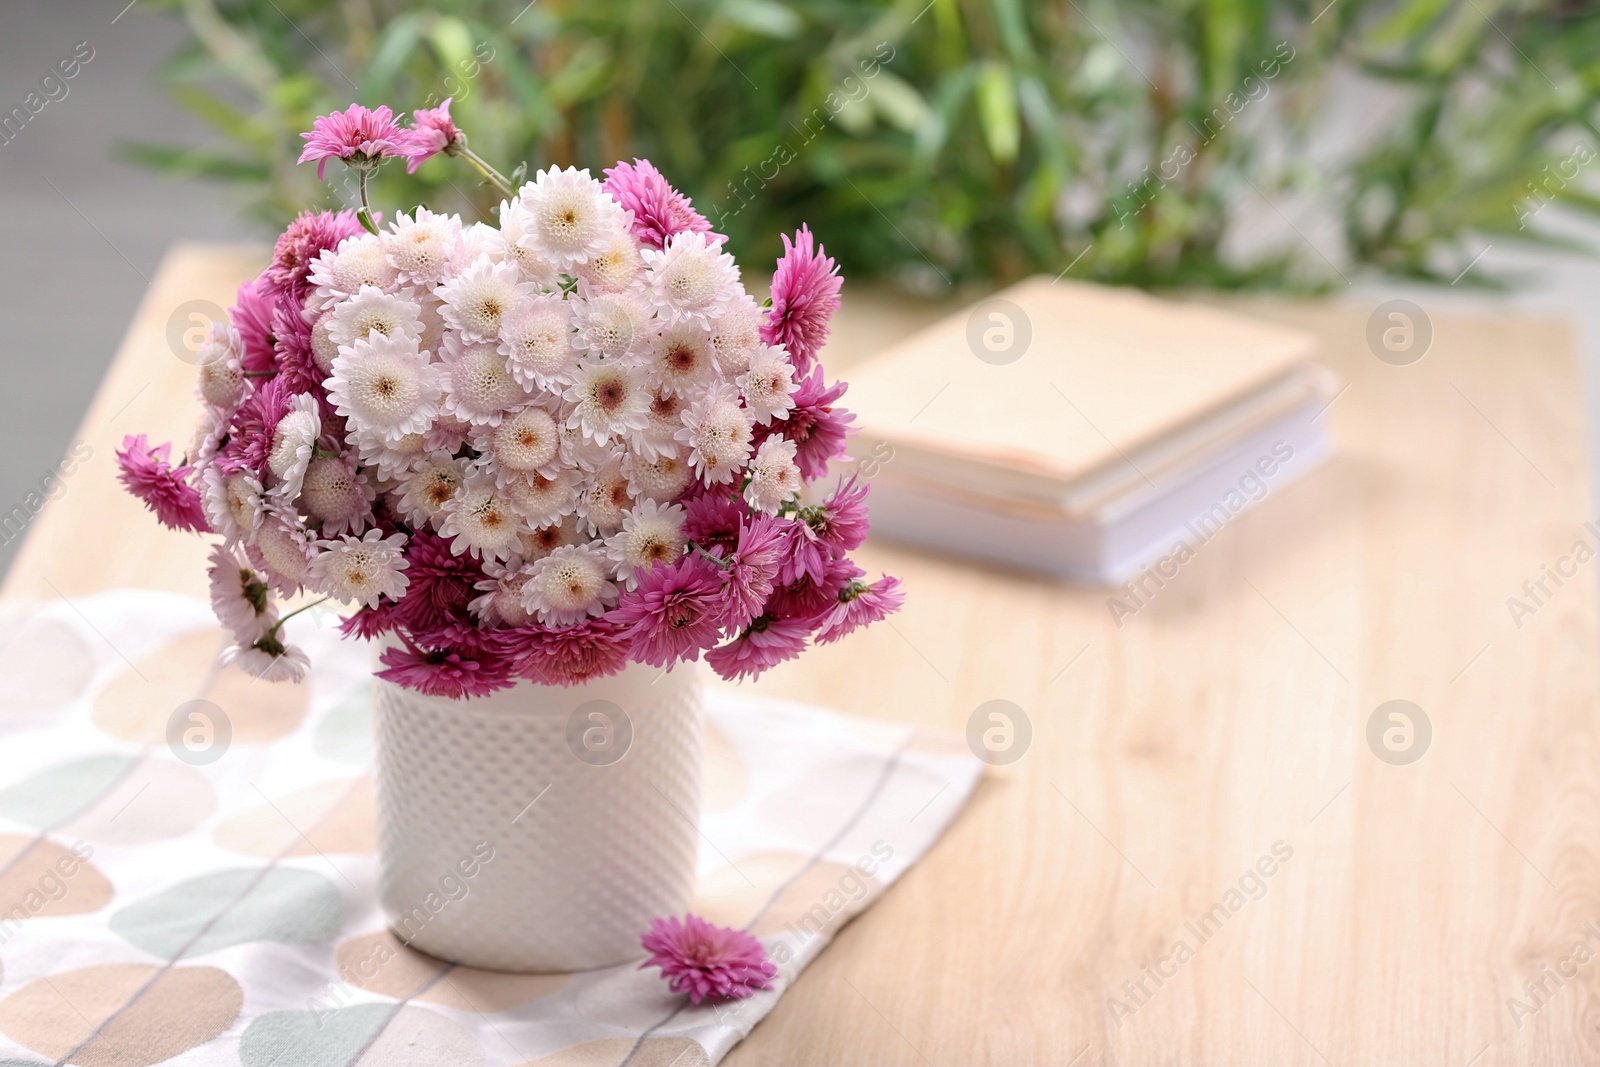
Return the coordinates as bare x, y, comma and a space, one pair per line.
942, 142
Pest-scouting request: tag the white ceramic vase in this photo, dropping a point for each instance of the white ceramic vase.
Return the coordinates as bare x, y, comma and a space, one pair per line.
539, 828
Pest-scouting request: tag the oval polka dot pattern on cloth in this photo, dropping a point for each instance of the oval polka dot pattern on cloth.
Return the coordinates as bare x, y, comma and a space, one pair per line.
123, 1014
45, 665
216, 911
367, 1035
379, 963
341, 813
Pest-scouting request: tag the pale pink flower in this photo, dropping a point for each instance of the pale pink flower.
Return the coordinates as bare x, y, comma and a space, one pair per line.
706, 961
434, 132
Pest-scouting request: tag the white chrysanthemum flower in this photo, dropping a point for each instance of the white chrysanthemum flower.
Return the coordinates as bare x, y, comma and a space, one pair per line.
692, 278
361, 569
447, 434
337, 495
324, 349
664, 418
430, 487
768, 385
222, 343
478, 387
618, 267
607, 401
477, 240
525, 440
293, 442
717, 431
736, 334
650, 534
338, 274
611, 325
481, 520
240, 596
433, 327
269, 660
679, 359
385, 385
394, 460
579, 451
233, 502
662, 477
281, 550
420, 247
501, 602
540, 542
774, 477
477, 299
515, 223
571, 217
209, 431
373, 309
536, 339
222, 384
569, 585
543, 500
605, 499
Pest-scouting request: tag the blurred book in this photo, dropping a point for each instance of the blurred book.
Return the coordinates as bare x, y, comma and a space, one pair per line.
1084, 431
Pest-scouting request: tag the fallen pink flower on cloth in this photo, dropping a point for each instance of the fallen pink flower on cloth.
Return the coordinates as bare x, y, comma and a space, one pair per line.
707, 961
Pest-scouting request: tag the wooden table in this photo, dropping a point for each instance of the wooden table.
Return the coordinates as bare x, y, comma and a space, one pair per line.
1217, 732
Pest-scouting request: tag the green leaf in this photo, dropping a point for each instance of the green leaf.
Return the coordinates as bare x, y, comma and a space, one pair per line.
997, 109
766, 17
900, 105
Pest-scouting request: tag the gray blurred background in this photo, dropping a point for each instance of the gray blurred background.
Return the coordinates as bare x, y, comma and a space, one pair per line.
83, 232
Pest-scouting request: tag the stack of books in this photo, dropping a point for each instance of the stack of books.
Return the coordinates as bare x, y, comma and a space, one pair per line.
1083, 431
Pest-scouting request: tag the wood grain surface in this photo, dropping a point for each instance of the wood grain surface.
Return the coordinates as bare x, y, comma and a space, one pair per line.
1201, 774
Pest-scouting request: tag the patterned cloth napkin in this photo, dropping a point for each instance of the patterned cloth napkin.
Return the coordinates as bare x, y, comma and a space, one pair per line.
199, 889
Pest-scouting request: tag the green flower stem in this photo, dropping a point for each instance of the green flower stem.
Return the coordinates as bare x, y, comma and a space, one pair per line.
492, 176
364, 213
296, 611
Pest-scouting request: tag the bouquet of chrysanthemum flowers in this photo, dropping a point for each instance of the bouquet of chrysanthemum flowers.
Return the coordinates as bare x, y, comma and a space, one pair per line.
537, 450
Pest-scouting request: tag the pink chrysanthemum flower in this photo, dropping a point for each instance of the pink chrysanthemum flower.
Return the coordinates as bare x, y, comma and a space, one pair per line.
305, 239
252, 317
860, 604
297, 362
659, 210
443, 584
842, 520
805, 294
813, 596
146, 474
434, 131
752, 570
457, 661
713, 519
592, 649
675, 612
706, 961
767, 641
816, 426
358, 136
